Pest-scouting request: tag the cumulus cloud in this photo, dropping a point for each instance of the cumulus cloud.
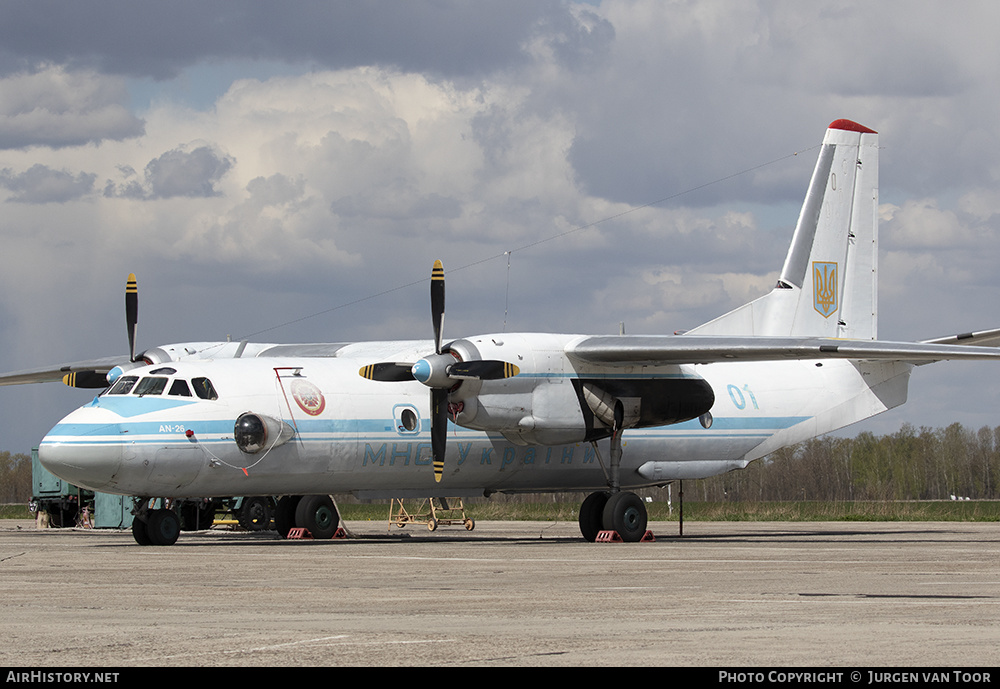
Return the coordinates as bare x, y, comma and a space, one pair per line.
58, 107
482, 133
42, 184
187, 173
179, 172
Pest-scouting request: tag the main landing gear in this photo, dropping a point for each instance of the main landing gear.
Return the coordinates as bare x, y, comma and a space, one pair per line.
315, 513
614, 510
607, 511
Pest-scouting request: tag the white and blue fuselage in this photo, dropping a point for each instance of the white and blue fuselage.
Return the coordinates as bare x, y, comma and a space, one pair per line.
349, 434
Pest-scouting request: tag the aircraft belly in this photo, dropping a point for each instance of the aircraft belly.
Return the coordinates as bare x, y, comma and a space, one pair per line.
327, 457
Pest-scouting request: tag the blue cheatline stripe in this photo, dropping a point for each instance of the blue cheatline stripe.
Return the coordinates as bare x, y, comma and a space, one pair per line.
214, 432
610, 376
744, 422
383, 426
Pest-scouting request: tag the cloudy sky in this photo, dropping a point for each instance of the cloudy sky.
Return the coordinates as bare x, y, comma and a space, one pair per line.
290, 172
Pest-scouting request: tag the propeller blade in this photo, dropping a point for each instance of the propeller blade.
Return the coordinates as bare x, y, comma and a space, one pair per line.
439, 429
131, 313
86, 379
482, 370
387, 372
437, 303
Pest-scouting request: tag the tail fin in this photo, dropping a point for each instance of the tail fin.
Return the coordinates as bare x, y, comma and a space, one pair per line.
829, 283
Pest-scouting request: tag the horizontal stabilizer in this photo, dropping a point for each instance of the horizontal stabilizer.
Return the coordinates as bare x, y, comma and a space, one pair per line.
983, 338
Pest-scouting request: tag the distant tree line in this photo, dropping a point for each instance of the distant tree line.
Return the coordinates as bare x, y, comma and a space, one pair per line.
911, 464
15, 477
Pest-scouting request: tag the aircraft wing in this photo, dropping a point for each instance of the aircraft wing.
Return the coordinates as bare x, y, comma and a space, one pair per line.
55, 374
694, 349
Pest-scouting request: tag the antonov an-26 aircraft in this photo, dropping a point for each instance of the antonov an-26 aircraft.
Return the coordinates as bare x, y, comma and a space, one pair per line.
526, 412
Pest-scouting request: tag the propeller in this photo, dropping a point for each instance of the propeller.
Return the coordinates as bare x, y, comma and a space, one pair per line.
99, 379
440, 371
131, 312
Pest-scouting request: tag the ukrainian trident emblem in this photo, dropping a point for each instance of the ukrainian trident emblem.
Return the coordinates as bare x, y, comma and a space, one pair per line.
825, 288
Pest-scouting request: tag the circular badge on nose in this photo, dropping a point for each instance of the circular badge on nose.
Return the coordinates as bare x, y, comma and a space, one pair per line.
308, 397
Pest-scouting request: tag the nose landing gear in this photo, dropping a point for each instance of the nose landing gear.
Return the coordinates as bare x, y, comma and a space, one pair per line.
159, 526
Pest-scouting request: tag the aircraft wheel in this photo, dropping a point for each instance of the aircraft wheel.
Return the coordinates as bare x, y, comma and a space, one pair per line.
318, 514
626, 514
284, 514
139, 532
255, 513
432, 524
592, 515
163, 527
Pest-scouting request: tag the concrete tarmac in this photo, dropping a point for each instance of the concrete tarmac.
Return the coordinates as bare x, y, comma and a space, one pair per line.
729, 594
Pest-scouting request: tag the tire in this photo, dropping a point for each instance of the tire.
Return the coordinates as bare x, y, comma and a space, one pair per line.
139, 532
284, 514
255, 513
318, 514
592, 515
626, 514
163, 527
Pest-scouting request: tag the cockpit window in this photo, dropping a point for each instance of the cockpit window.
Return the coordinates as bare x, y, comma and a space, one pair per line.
204, 389
150, 386
165, 371
123, 385
180, 388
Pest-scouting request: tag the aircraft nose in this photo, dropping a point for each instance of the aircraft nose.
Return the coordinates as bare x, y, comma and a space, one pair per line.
86, 457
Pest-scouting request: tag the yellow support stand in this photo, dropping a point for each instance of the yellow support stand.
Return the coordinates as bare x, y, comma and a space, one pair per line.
432, 512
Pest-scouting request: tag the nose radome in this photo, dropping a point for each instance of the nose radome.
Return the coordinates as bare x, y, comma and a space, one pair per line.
86, 457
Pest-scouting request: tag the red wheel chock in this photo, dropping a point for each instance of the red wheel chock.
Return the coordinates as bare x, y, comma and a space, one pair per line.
613, 537
303, 533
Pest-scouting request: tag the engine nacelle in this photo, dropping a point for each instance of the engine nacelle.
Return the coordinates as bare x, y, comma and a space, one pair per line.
147, 358
562, 405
